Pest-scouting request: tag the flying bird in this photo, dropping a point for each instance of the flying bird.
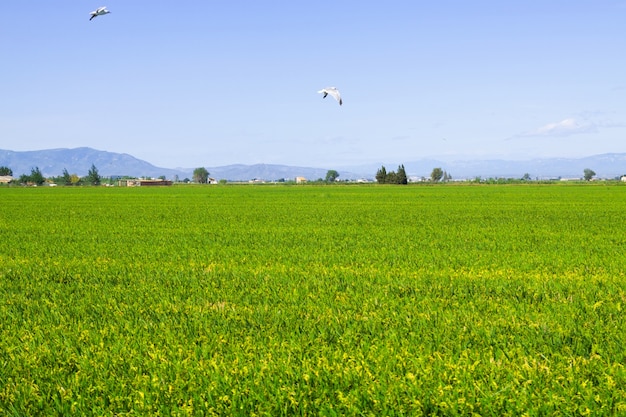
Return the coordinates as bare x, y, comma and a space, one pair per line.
333, 92
100, 11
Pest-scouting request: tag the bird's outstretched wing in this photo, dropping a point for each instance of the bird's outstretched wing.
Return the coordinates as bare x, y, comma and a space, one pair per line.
100, 11
333, 92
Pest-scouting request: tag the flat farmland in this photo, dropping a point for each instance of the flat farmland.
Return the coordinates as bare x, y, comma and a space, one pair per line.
313, 300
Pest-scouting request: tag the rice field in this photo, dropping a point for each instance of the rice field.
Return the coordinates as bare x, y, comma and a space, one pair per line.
265, 300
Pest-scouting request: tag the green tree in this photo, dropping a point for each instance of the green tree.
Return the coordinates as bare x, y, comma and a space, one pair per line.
588, 174
93, 177
67, 178
5, 171
331, 175
436, 175
401, 177
381, 175
392, 177
526, 177
200, 175
36, 176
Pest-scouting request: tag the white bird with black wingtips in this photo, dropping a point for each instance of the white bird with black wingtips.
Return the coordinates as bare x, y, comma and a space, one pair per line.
100, 11
333, 92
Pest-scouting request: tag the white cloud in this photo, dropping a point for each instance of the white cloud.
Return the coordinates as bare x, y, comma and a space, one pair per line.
566, 127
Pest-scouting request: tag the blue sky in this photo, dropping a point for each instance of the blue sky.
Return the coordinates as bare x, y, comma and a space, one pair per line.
209, 83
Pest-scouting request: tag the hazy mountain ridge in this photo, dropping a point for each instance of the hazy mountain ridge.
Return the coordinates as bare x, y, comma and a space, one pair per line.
605, 166
270, 172
52, 162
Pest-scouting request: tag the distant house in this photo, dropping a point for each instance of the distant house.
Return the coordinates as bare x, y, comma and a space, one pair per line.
5, 179
623, 178
144, 183
300, 180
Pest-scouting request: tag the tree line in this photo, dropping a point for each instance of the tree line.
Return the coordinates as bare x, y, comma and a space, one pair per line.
392, 177
439, 175
399, 177
93, 177
201, 176
36, 177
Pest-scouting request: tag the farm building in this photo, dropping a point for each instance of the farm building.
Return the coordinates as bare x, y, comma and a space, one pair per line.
144, 183
5, 179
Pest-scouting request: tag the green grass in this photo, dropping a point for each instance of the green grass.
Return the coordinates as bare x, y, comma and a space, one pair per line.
313, 300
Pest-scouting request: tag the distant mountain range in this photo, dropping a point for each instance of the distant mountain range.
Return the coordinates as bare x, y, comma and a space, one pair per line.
52, 162
605, 166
